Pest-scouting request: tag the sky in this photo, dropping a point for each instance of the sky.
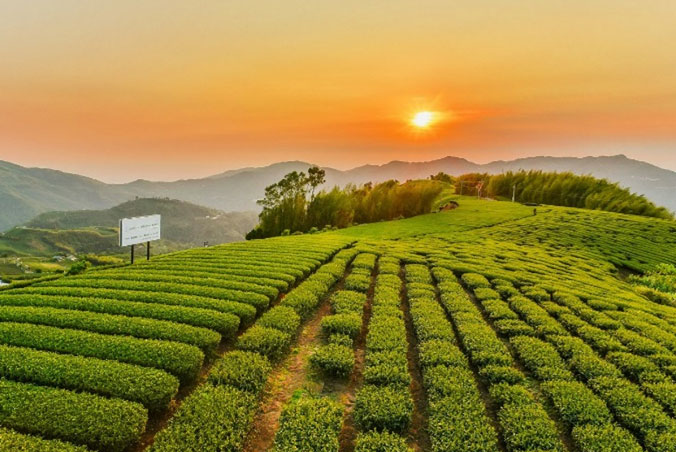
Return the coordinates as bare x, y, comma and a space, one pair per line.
164, 90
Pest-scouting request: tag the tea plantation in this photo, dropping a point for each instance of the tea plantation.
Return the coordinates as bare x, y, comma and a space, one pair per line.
485, 328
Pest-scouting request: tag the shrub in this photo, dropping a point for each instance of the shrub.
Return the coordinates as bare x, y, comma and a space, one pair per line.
15, 441
485, 293
358, 281
345, 301
309, 424
475, 281
151, 387
501, 374
211, 418
269, 342
498, 309
606, 438
437, 352
576, 404
442, 381
70, 416
247, 371
332, 359
380, 442
387, 368
349, 324
631, 407
282, 318
526, 427
458, 422
341, 339
121, 325
541, 358
383, 408
181, 360
196, 311
513, 327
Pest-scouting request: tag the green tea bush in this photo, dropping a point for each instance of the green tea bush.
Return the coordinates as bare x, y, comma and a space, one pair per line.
81, 418
247, 371
121, 325
334, 360
282, 318
605, 437
151, 387
498, 310
349, 324
438, 352
15, 441
259, 301
631, 407
526, 427
442, 381
160, 277
501, 374
358, 281
513, 327
458, 422
485, 293
631, 365
269, 342
387, 368
365, 260
380, 442
309, 425
576, 404
212, 418
175, 307
346, 301
540, 358
475, 281
383, 408
340, 339
181, 360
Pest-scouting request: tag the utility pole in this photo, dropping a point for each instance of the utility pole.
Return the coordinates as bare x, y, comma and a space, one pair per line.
514, 193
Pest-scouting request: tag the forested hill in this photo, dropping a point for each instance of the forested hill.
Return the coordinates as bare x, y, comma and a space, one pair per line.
95, 231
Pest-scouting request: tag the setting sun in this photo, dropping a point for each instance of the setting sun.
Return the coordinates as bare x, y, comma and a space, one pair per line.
423, 119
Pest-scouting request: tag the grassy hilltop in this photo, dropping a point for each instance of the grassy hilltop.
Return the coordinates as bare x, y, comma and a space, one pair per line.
483, 328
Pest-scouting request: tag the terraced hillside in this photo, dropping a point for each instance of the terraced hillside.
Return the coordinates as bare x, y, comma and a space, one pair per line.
486, 328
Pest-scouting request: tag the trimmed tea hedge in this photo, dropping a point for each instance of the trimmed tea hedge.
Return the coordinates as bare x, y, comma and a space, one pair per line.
213, 418
151, 387
309, 424
81, 418
181, 360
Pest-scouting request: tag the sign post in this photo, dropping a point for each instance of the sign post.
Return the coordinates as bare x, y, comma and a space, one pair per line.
138, 230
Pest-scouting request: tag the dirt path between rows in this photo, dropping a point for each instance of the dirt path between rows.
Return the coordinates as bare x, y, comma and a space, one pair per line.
348, 432
288, 377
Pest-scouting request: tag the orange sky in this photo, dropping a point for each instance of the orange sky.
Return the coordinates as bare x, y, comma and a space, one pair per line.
176, 89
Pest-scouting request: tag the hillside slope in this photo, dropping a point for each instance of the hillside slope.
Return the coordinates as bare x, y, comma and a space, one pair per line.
493, 324
95, 231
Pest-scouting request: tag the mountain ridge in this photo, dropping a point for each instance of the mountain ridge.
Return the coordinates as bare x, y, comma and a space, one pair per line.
27, 192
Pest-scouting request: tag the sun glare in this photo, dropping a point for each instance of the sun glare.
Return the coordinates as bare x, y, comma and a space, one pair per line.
422, 119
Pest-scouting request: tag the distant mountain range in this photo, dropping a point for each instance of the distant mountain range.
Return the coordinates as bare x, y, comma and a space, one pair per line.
27, 192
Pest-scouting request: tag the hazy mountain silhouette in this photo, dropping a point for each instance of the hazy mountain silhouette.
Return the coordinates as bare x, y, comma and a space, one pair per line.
26, 192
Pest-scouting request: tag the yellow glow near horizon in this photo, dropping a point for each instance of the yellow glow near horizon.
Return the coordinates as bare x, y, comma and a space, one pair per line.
423, 119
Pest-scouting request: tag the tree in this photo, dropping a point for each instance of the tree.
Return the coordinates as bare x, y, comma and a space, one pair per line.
316, 177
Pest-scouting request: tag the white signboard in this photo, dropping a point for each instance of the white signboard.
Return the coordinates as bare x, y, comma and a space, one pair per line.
139, 230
